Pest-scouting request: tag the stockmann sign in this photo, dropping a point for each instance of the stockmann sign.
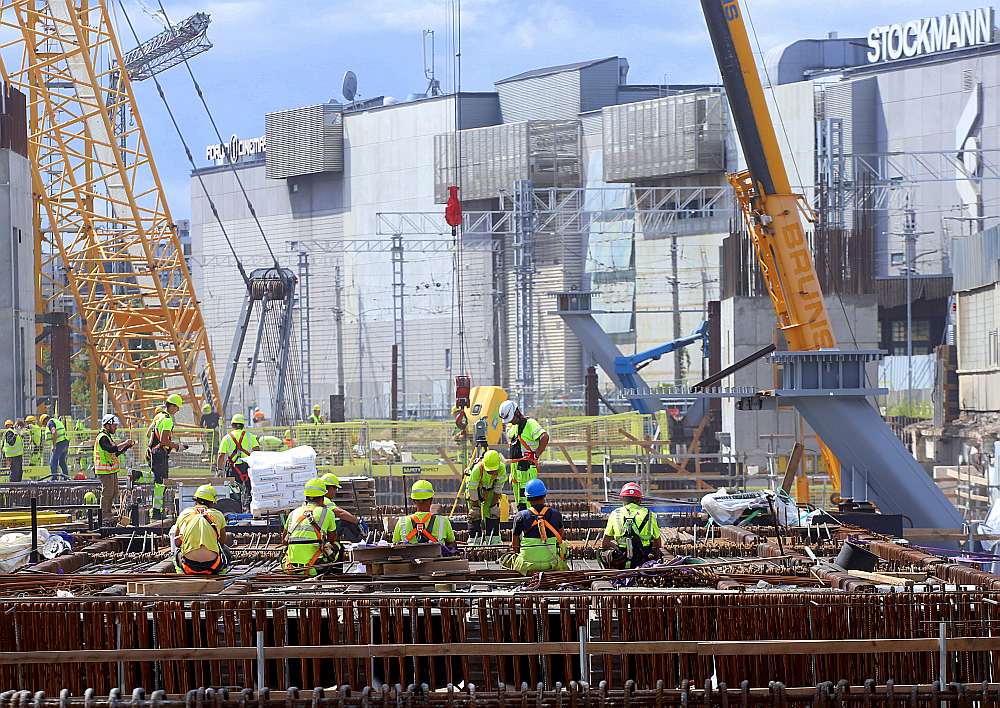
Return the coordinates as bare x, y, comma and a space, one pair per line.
930, 35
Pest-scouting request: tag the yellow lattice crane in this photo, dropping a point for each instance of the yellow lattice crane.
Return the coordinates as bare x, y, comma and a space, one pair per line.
104, 236
773, 213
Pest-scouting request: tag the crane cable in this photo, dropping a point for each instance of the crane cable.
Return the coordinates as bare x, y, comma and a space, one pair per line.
218, 135
187, 152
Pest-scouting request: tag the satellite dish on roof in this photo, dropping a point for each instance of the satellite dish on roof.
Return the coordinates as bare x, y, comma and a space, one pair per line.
350, 86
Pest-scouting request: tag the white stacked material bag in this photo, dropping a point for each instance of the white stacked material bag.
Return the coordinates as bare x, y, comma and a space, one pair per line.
277, 478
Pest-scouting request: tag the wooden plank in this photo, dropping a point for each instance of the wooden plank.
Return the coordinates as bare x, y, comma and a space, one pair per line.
451, 465
778, 647
565, 452
792, 468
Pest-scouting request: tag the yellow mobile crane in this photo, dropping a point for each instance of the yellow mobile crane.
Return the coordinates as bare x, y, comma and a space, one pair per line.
774, 214
772, 211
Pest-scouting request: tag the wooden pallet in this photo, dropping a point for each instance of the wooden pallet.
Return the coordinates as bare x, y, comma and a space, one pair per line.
420, 567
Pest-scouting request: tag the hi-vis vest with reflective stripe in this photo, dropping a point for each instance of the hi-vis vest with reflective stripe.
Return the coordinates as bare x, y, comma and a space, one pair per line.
423, 528
59, 434
546, 545
239, 453
302, 524
14, 449
105, 462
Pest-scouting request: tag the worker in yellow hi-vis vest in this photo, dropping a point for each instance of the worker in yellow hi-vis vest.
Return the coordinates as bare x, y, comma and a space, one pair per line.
528, 441
423, 526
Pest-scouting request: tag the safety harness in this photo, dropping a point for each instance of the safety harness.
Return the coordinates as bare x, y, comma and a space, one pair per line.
543, 525
420, 526
637, 551
307, 516
201, 569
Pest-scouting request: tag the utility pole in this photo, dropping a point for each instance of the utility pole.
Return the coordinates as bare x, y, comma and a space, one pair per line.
910, 235
361, 355
338, 316
676, 297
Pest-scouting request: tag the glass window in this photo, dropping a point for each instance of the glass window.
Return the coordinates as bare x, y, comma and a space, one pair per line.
897, 259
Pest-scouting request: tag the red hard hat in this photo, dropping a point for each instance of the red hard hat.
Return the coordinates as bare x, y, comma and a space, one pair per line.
631, 491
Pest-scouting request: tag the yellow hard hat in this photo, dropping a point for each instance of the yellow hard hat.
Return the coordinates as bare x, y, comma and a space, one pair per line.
421, 489
90, 499
331, 480
206, 408
492, 460
315, 487
239, 419
30, 419
175, 399
206, 492
8, 423
316, 407
288, 434
44, 419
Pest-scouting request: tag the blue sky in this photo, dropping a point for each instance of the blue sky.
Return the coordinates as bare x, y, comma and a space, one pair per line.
274, 54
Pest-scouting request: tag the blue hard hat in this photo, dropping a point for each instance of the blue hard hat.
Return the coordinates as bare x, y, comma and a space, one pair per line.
535, 488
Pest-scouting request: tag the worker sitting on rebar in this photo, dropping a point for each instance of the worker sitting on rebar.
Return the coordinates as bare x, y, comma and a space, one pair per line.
536, 543
482, 495
632, 536
424, 526
528, 441
311, 532
199, 536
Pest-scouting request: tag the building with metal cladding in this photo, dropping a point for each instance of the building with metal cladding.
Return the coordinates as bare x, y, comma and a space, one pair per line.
901, 130
570, 179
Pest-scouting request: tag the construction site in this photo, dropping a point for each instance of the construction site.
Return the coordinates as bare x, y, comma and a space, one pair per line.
569, 392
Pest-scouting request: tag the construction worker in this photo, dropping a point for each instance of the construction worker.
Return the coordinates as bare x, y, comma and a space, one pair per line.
13, 449
271, 443
107, 462
349, 527
632, 536
423, 526
161, 444
316, 418
60, 447
482, 494
199, 536
528, 441
289, 440
90, 499
311, 532
537, 542
209, 418
234, 452
34, 439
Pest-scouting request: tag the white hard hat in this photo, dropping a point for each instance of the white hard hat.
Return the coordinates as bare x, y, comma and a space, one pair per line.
507, 409
110, 419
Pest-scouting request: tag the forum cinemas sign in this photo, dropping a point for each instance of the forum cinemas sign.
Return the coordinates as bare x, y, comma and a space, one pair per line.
930, 35
235, 149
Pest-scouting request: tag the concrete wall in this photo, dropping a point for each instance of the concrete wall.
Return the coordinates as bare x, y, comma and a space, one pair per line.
979, 349
748, 324
17, 292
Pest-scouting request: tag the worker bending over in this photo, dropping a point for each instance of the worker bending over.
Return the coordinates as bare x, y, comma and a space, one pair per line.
537, 543
632, 536
161, 444
199, 536
234, 454
311, 532
35, 438
528, 441
58, 467
332, 482
107, 462
423, 526
13, 448
482, 494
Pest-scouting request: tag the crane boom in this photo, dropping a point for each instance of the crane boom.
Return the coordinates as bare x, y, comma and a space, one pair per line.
773, 213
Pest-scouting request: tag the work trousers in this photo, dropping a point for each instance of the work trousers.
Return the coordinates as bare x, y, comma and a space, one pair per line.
60, 453
109, 495
16, 468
